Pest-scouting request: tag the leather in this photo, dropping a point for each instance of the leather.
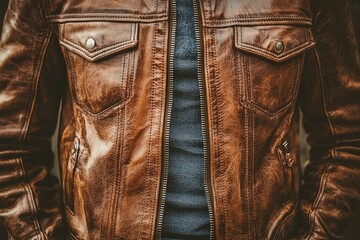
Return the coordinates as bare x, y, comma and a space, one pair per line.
112, 101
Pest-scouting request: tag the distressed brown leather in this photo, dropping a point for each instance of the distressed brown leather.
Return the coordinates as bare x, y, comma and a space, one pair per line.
263, 62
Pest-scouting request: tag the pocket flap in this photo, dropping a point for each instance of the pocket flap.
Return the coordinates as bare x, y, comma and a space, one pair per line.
95, 40
274, 42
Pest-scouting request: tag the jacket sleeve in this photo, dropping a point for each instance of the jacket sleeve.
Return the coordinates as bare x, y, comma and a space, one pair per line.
31, 72
330, 102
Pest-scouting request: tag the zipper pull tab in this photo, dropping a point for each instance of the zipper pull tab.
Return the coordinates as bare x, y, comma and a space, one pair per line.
76, 148
287, 153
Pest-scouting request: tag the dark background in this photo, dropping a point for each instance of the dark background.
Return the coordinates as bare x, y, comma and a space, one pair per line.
353, 233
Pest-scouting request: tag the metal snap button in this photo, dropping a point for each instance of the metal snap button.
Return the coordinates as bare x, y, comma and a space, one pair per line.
279, 46
90, 43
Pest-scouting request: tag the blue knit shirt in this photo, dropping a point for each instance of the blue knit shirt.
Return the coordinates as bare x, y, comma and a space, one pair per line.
186, 214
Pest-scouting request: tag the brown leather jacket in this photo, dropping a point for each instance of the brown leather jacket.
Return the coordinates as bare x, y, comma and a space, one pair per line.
110, 62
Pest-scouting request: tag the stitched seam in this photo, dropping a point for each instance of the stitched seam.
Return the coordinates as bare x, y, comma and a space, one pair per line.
260, 18
273, 56
118, 174
298, 76
29, 106
254, 104
130, 88
219, 120
243, 78
245, 81
73, 79
102, 50
244, 169
248, 82
159, 129
71, 75
290, 102
102, 18
115, 46
103, 113
248, 94
125, 74
212, 116
246, 173
312, 213
252, 175
95, 55
71, 64
239, 79
110, 216
60, 18
255, 23
210, 8
323, 225
215, 120
71, 235
45, 7
250, 77
250, 156
151, 127
116, 186
42, 12
251, 18
323, 178
103, 228
107, 12
156, 8
291, 214
118, 178
244, 20
24, 130
211, 166
267, 112
28, 191
79, 105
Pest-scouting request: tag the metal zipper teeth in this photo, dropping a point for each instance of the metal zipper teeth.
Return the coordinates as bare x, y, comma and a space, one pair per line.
203, 116
167, 120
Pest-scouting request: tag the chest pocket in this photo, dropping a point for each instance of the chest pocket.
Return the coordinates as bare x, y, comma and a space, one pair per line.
271, 57
101, 59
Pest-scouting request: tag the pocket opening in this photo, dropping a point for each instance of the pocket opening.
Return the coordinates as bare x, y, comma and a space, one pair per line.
70, 174
286, 160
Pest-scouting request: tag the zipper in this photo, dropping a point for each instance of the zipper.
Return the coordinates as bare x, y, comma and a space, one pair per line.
287, 154
169, 102
204, 120
69, 178
164, 176
76, 149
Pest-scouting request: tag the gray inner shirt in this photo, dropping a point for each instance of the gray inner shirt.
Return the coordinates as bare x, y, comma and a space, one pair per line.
186, 214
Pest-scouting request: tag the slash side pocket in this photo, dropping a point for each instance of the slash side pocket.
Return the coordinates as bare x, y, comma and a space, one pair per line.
74, 156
